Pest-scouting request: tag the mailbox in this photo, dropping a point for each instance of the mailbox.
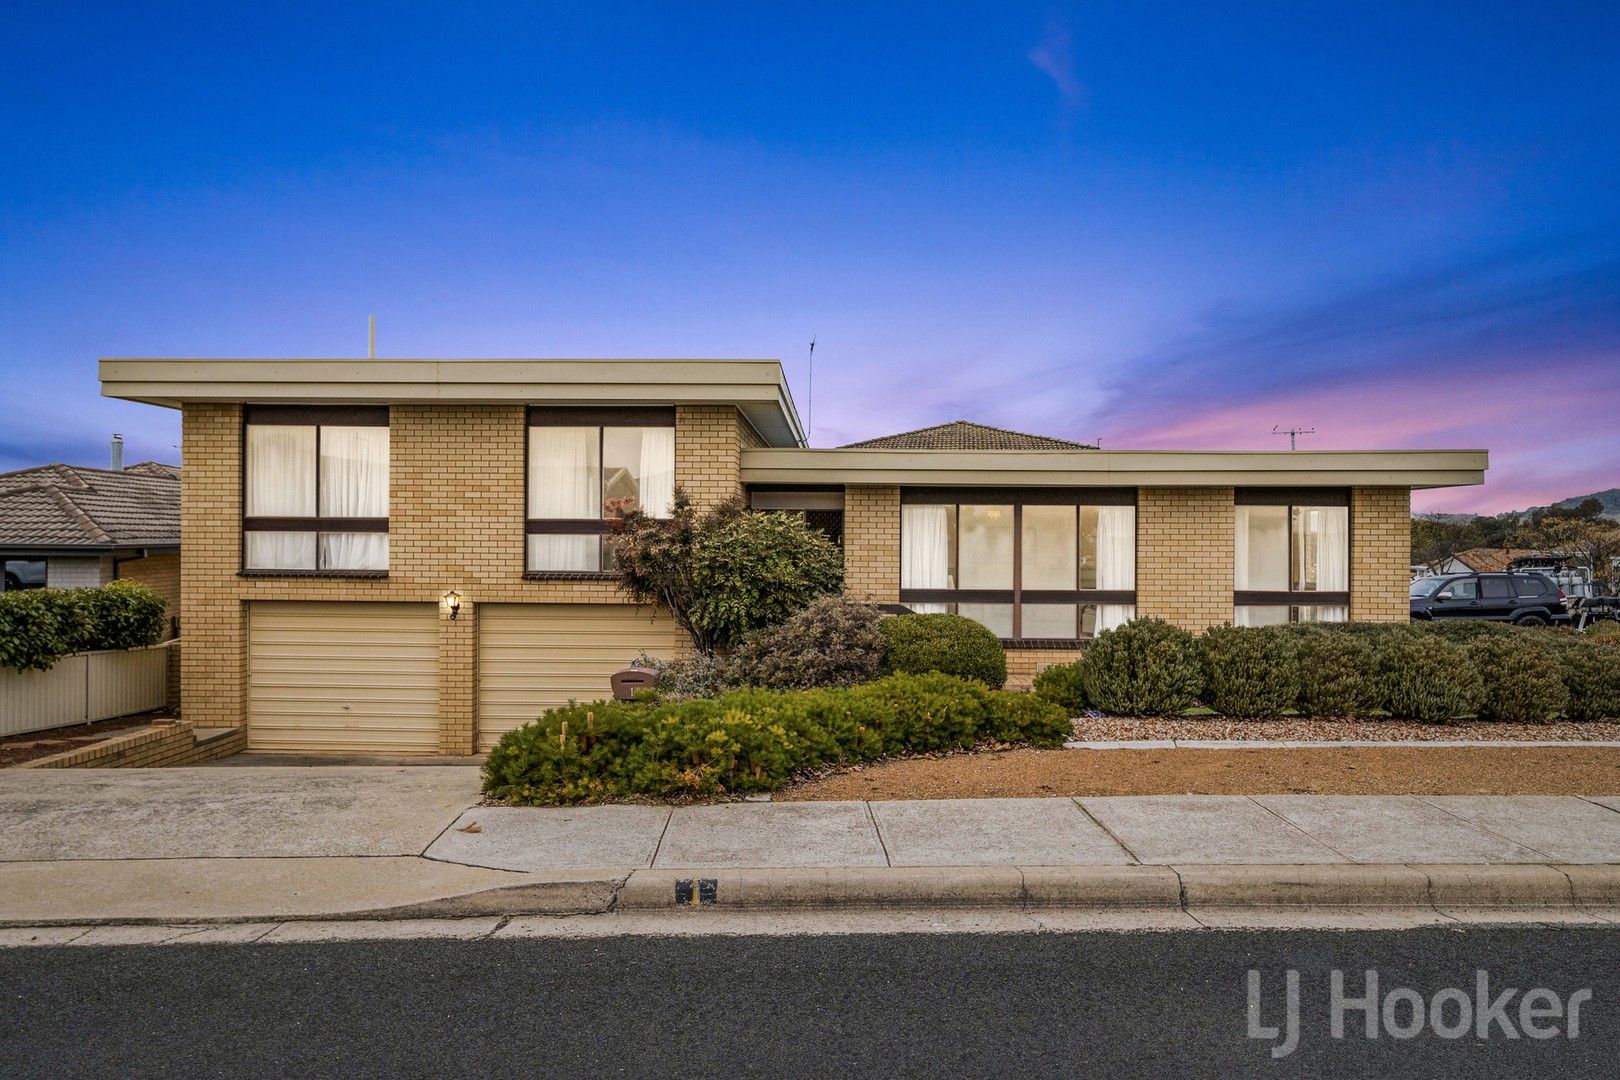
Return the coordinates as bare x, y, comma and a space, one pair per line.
631, 679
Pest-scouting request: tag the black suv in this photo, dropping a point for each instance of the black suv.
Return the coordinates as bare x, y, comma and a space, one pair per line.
1525, 598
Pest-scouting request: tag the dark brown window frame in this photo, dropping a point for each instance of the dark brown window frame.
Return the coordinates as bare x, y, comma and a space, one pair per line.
1292, 498
317, 417
600, 417
1018, 596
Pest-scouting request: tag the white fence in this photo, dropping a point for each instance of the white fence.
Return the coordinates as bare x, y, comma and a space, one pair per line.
84, 687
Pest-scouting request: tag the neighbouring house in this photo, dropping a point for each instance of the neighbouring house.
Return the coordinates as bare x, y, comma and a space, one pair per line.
68, 526
334, 509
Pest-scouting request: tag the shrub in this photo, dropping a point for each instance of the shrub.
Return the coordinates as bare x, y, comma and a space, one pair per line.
1520, 678
1465, 631
1249, 671
1606, 629
38, 626
1337, 675
1424, 677
1591, 673
833, 642
1144, 668
726, 572
948, 644
688, 676
751, 740
1063, 684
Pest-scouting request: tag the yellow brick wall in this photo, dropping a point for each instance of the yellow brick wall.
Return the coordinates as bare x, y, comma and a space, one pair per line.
456, 514
1380, 554
1184, 555
1024, 664
872, 543
160, 573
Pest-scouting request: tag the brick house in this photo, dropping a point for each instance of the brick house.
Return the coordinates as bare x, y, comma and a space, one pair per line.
408, 555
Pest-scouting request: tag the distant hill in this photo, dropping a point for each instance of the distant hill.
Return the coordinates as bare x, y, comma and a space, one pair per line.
1610, 500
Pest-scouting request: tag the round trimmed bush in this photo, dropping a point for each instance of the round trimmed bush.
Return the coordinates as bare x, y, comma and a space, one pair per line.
1144, 668
1522, 681
948, 644
832, 642
1063, 685
1591, 671
1425, 677
1249, 671
1337, 673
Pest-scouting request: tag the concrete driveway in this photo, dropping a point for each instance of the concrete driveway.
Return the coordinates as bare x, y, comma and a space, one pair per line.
202, 813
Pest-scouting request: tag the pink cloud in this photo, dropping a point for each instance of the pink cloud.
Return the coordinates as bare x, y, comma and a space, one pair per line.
1054, 56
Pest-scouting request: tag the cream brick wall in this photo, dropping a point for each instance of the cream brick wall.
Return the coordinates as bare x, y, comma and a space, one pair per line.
872, 543
1024, 664
1380, 554
1184, 555
160, 573
457, 508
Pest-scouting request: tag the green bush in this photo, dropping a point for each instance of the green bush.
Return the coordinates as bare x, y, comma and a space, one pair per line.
1591, 672
948, 644
1608, 629
1425, 677
1466, 631
1249, 671
1337, 672
692, 676
1063, 684
1520, 678
832, 642
1144, 668
752, 740
38, 626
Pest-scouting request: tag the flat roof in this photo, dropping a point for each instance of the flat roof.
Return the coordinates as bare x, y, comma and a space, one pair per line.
1116, 468
757, 387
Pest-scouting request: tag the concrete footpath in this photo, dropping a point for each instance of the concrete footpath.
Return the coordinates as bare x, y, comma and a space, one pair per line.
268, 845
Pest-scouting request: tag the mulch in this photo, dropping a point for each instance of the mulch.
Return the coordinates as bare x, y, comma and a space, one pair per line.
1125, 728
16, 749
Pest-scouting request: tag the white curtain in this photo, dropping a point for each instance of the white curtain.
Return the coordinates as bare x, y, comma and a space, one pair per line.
565, 551
1116, 548
279, 551
1332, 548
1324, 613
565, 472
281, 470
1259, 615
1260, 548
354, 483
657, 470
925, 548
1110, 616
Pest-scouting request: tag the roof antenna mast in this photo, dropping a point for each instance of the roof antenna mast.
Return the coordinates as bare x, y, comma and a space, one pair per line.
1293, 434
810, 422
371, 338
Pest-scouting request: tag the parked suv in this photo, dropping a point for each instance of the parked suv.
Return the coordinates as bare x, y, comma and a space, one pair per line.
1526, 599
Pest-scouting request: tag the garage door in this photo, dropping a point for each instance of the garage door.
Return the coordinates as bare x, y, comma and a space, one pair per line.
342, 676
534, 656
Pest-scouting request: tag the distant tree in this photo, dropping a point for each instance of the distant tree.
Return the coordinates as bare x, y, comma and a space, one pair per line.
1593, 541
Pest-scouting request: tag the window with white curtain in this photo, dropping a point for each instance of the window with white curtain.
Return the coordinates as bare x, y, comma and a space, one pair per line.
1291, 556
587, 466
315, 489
1030, 565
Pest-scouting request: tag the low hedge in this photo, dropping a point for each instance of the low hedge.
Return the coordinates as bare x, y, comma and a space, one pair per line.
752, 740
1249, 670
831, 642
1144, 668
1063, 684
1425, 677
40, 626
948, 644
1335, 672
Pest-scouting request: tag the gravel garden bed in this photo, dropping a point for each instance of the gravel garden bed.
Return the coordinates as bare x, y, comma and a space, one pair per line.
1124, 728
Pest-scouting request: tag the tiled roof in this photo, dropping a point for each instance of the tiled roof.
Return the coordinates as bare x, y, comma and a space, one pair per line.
965, 435
1492, 560
154, 468
94, 509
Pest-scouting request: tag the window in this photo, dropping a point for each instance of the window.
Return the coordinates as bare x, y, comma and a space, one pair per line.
1529, 586
1291, 556
1035, 565
316, 490
23, 574
1464, 589
586, 467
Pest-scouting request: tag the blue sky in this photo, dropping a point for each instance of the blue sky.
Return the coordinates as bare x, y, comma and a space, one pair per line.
1160, 225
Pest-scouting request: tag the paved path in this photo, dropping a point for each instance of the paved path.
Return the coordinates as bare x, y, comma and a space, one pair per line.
1152, 830
1121, 1005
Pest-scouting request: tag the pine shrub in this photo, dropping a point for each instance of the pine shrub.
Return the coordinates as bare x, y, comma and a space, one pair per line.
1249, 671
1144, 668
1521, 680
1591, 672
1337, 672
1425, 677
1064, 685
832, 642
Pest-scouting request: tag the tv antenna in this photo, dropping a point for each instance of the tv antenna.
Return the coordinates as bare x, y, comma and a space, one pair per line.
810, 421
371, 338
1293, 434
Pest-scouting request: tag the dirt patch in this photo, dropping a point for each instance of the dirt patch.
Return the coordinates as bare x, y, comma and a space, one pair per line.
1306, 771
16, 749
1126, 729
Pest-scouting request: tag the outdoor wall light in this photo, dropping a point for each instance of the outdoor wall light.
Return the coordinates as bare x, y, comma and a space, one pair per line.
452, 600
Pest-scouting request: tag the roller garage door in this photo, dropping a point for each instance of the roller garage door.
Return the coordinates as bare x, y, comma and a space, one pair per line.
534, 656
343, 676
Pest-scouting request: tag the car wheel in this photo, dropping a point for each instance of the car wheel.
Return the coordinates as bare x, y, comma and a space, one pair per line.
1531, 620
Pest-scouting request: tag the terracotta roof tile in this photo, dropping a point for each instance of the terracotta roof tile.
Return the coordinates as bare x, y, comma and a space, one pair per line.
95, 509
965, 435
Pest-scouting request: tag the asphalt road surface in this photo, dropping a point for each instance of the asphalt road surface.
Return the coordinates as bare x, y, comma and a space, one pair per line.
1078, 1005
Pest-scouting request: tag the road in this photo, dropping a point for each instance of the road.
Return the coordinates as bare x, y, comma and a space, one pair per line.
1098, 1004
